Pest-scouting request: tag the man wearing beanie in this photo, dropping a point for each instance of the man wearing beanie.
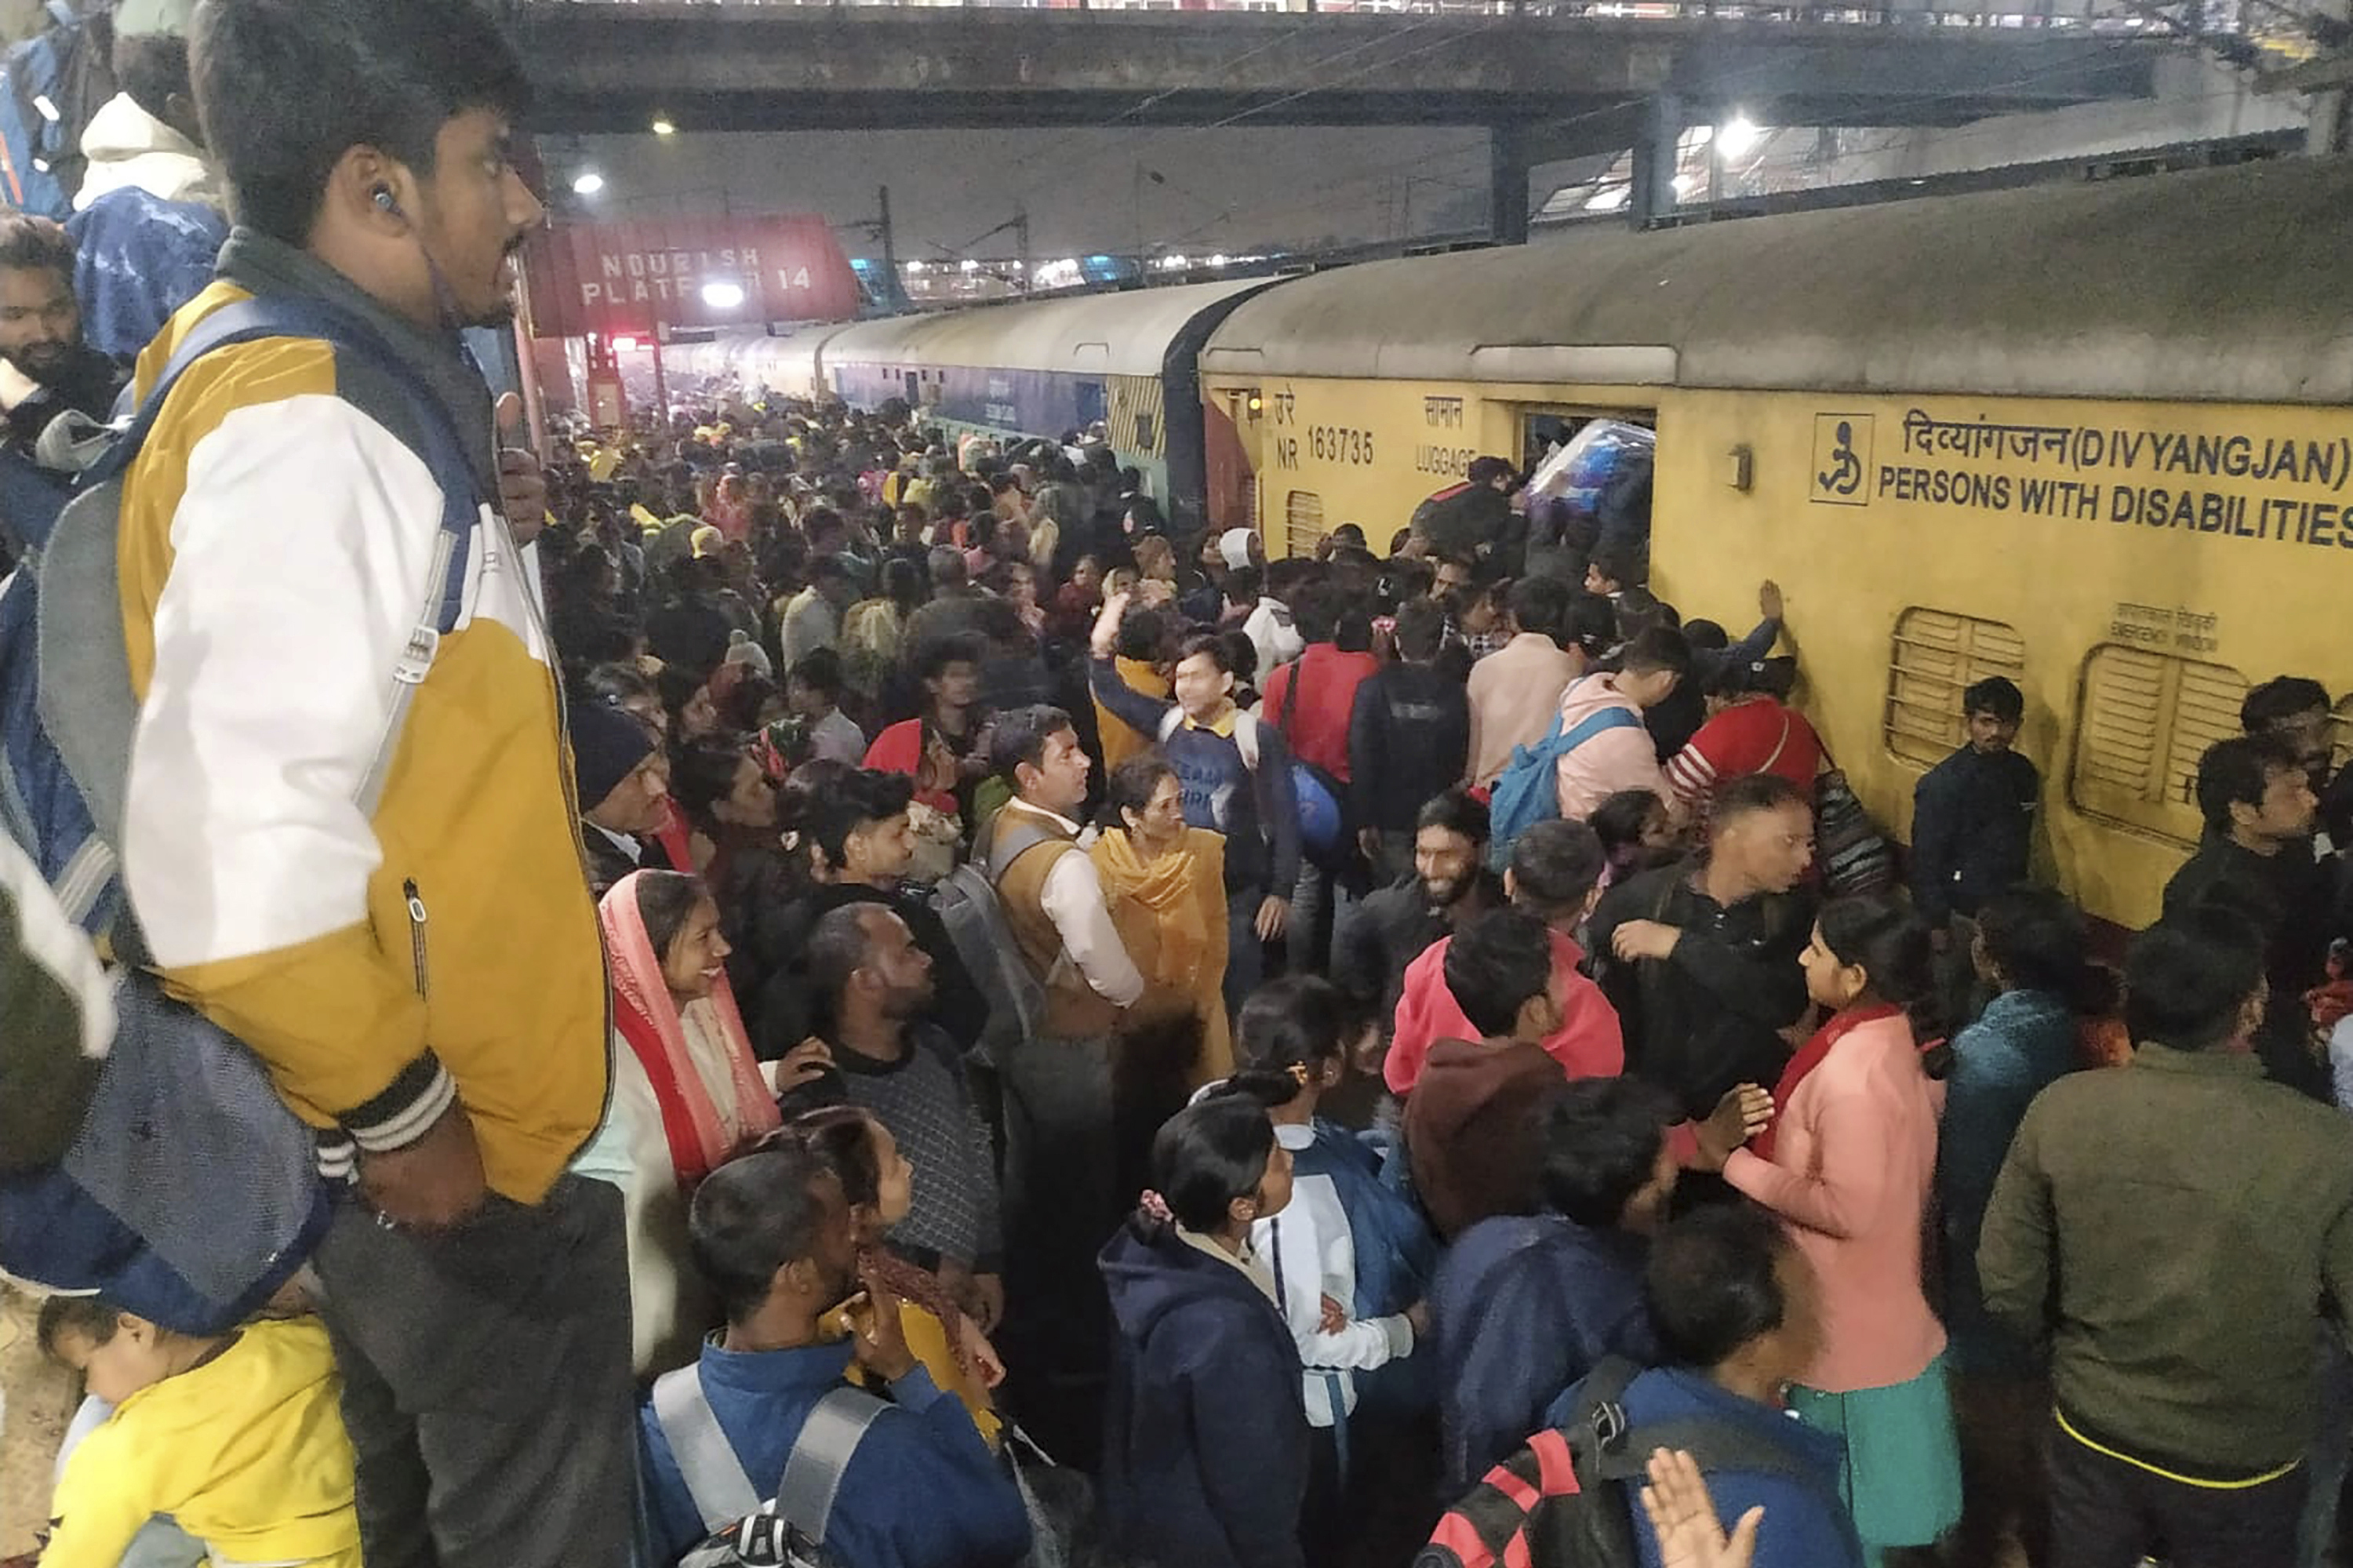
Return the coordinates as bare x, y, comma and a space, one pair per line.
623, 777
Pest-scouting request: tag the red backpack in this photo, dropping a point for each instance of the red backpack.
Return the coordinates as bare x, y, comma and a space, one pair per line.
1567, 1499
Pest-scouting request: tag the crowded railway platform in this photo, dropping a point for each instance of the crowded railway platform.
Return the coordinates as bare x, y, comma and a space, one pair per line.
1683, 909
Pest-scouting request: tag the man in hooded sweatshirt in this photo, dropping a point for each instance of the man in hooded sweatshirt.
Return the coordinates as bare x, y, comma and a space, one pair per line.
1526, 1305
1469, 1132
1620, 755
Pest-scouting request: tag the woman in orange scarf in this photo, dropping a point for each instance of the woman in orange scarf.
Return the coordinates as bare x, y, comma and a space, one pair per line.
1164, 883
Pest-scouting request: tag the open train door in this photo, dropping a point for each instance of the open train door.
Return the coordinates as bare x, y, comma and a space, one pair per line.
1230, 429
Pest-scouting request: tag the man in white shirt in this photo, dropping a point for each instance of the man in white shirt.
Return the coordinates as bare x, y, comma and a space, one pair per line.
813, 616
813, 691
1070, 1174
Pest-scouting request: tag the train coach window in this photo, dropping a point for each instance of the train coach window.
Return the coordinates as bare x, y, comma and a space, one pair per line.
1302, 522
2148, 717
1939, 654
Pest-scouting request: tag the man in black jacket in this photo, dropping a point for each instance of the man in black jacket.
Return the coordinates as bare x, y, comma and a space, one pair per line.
1972, 826
1394, 925
1973, 813
2256, 860
1408, 738
1701, 959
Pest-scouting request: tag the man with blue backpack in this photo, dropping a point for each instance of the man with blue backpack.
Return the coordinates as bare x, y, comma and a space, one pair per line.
344, 825
1597, 746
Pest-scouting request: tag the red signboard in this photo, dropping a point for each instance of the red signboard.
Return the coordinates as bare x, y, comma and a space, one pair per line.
624, 279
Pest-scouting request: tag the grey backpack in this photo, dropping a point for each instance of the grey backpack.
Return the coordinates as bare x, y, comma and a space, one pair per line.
968, 906
787, 1530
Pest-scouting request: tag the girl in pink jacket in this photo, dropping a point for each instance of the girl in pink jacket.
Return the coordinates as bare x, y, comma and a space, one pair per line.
1848, 1161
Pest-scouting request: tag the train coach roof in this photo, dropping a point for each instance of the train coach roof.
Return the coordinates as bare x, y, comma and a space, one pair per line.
790, 361
1123, 334
2226, 284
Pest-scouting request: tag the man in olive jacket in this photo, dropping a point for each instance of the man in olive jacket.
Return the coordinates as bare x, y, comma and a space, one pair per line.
2172, 1230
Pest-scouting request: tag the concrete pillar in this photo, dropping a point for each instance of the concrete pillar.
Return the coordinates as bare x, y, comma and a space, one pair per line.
1507, 167
1655, 144
2331, 129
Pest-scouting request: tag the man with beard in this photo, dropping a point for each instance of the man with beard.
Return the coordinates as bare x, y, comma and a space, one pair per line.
422, 973
774, 1238
875, 983
1394, 925
45, 369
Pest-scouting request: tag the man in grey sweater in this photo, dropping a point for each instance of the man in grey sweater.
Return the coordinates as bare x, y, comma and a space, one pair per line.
873, 984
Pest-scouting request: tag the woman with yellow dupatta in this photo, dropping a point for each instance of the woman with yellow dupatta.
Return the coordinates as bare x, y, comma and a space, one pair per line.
1164, 883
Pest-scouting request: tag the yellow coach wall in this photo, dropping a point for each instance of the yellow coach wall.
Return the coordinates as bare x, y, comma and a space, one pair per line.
2132, 566
2148, 556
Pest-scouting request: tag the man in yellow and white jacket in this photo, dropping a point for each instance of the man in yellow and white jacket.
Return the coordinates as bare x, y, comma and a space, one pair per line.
425, 982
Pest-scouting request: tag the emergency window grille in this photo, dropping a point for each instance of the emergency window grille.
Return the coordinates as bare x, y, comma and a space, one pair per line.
1939, 654
2148, 718
1302, 522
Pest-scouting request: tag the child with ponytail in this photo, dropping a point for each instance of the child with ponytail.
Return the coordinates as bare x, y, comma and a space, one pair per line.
1352, 1258
1205, 1442
1848, 1161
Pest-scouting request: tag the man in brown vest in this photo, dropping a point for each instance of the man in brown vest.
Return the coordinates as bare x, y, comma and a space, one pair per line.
1062, 1196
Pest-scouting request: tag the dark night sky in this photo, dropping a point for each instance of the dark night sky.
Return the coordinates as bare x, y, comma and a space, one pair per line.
1233, 189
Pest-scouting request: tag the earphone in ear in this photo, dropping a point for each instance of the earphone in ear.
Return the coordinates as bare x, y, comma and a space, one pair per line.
387, 200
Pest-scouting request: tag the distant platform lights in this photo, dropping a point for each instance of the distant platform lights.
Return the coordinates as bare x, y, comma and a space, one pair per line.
588, 183
1737, 137
664, 125
723, 295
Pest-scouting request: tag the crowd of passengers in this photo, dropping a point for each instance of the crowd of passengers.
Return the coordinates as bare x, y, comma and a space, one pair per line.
1280, 1037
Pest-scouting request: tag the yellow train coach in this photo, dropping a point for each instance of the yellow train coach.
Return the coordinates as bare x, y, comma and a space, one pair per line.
2097, 438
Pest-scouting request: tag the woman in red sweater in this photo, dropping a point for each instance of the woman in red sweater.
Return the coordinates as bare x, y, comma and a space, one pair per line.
1848, 1163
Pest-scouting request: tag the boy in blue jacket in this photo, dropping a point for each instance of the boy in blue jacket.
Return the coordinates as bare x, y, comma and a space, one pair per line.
771, 1236
1734, 1307
1527, 1305
1236, 776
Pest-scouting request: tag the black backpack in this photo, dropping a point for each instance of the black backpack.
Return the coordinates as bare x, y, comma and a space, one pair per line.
1567, 1499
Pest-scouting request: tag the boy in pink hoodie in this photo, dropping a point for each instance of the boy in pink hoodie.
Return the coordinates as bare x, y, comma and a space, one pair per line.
1555, 876
1621, 756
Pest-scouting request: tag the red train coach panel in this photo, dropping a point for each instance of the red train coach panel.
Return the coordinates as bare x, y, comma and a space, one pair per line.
622, 280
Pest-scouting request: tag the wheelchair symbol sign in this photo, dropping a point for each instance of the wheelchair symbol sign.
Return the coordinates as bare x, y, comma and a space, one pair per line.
1842, 468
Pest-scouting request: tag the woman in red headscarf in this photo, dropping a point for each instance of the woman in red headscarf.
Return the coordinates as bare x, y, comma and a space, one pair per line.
688, 1091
